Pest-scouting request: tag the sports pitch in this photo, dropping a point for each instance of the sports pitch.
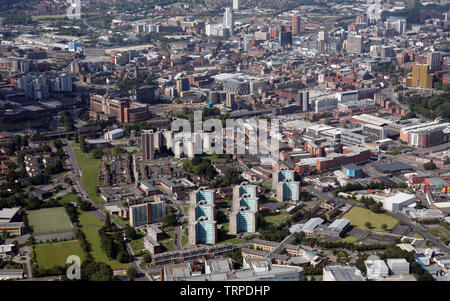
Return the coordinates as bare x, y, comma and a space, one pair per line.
49, 220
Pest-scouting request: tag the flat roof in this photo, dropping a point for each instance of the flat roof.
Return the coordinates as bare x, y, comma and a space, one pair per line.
8, 213
392, 167
372, 119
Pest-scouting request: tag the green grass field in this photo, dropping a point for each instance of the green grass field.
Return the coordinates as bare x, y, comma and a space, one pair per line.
274, 219
49, 220
91, 224
359, 216
215, 158
56, 253
184, 240
138, 244
89, 167
68, 199
350, 239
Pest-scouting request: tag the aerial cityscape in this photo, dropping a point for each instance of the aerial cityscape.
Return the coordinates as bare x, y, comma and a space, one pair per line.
233, 140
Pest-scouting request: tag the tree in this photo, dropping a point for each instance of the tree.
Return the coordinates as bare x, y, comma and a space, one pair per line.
368, 225
147, 258
97, 153
376, 208
384, 227
237, 258
170, 219
83, 145
123, 257
107, 221
130, 232
131, 272
85, 206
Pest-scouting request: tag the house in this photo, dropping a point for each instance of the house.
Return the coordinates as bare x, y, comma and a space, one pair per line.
40, 194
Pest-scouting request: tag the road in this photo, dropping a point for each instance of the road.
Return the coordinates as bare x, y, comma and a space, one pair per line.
177, 242
77, 179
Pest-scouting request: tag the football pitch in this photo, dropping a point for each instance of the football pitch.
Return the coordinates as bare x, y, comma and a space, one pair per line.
49, 220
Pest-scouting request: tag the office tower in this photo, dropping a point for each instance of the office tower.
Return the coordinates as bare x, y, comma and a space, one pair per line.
146, 213
420, 77
202, 224
282, 175
296, 25
285, 38
434, 61
229, 101
147, 145
355, 44
401, 26
386, 51
182, 85
228, 20
236, 4
288, 190
244, 189
323, 36
303, 100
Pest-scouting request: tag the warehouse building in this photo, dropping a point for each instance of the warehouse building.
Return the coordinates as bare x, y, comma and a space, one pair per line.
398, 266
376, 269
342, 273
398, 201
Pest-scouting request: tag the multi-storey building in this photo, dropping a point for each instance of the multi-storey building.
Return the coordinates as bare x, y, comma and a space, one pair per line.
426, 134
288, 190
244, 189
148, 145
282, 175
202, 224
420, 77
146, 213
228, 20
434, 61
355, 44
106, 107
296, 25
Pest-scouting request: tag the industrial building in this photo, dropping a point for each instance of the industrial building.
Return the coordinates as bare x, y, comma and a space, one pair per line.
398, 266
342, 273
398, 201
114, 134
426, 134
376, 269
222, 270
